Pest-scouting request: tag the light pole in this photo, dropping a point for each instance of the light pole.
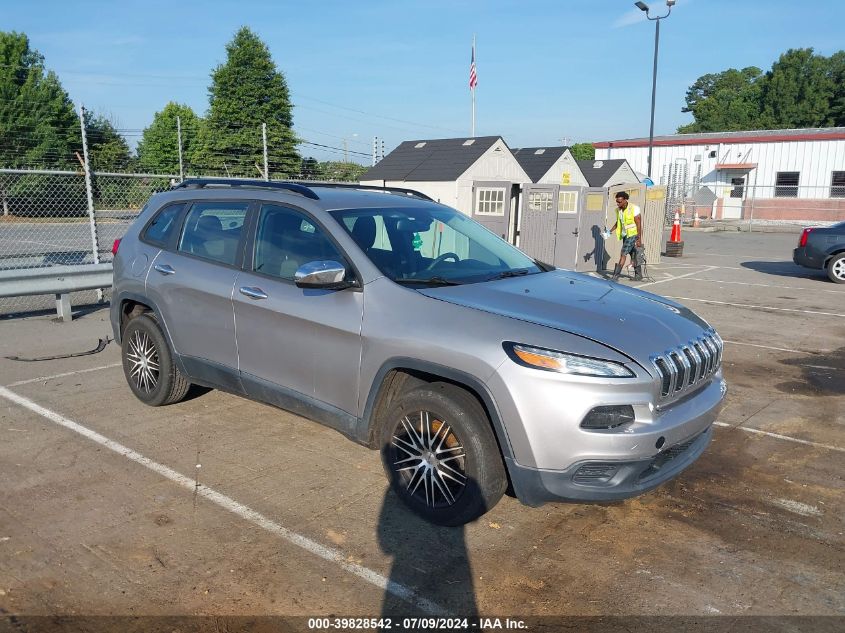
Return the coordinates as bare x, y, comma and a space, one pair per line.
642, 6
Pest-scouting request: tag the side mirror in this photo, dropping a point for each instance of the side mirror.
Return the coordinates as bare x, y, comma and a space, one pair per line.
328, 275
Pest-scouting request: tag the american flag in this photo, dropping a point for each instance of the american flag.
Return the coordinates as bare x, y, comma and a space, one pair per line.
473, 76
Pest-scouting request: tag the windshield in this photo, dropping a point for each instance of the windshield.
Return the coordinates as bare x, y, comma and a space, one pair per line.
432, 246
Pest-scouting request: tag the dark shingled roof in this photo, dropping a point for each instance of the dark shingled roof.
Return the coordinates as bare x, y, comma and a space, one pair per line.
441, 159
597, 176
537, 164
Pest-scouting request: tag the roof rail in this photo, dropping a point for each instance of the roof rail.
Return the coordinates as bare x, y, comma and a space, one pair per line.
199, 183
350, 185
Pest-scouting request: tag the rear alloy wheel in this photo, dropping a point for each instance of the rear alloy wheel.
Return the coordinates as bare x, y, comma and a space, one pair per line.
148, 364
440, 454
836, 269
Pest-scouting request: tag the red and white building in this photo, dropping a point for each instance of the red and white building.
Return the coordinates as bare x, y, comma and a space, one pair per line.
764, 174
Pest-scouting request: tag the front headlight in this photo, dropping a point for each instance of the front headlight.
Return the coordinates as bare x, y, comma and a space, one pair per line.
572, 364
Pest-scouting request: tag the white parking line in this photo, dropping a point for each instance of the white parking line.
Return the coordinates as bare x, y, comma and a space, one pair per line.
326, 553
661, 281
746, 305
779, 349
778, 436
63, 375
745, 283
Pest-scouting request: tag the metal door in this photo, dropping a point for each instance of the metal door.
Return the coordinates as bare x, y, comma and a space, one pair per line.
593, 249
568, 202
538, 225
299, 339
734, 195
491, 206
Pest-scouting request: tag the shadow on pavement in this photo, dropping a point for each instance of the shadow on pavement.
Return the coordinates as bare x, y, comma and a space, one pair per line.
783, 268
428, 559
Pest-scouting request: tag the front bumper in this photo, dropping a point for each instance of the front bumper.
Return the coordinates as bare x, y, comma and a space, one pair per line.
553, 458
535, 487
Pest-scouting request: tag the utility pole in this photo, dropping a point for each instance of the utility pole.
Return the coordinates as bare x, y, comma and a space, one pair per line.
89, 192
642, 6
375, 150
264, 143
179, 145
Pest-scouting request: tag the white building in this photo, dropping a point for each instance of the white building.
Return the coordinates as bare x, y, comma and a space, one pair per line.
746, 174
550, 166
479, 176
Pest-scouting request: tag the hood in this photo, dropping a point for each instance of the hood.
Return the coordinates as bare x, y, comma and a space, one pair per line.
635, 323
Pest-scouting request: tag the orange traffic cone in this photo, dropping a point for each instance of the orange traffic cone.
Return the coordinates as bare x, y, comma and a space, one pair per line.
676, 229
675, 247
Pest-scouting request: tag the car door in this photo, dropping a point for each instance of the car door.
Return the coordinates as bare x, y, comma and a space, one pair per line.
294, 341
191, 282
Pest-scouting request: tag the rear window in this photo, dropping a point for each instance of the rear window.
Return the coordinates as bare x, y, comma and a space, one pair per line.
163, 225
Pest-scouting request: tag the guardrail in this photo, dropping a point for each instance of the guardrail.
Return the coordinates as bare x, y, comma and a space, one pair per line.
57, 280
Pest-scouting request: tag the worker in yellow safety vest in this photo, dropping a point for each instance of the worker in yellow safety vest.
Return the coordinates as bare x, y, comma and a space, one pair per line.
629, 229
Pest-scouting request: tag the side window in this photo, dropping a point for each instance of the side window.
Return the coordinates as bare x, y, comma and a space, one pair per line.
286, 240
163, 225
212, 230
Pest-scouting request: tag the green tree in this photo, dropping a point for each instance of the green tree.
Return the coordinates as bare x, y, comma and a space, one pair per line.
246, 91
340, 171
798, 91
837, 102
107, 149
583, 151
158, 150
38, 125
725, 101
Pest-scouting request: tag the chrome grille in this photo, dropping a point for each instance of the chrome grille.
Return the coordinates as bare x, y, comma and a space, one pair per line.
684, 368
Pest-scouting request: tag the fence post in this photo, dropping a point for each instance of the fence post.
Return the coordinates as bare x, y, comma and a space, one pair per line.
179, 145
264, 143
89, 191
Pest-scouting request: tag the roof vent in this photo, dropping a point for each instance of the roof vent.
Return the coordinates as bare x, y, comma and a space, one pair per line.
419, 145
540, 151
598, 164
469, 141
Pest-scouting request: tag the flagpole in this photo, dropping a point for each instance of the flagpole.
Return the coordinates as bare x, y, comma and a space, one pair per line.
473, 89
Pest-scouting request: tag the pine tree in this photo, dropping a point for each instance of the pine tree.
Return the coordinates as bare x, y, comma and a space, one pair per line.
246, 91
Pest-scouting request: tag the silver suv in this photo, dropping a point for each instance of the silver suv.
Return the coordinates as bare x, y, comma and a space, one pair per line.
412, 329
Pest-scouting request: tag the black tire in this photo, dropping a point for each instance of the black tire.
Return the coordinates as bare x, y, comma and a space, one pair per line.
836, 269
157, 381
464, 449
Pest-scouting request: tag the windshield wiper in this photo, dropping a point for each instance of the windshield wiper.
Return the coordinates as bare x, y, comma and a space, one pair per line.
429, 281
518, 272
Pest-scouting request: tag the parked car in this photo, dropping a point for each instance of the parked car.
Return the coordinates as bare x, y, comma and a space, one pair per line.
412, 329
823, 248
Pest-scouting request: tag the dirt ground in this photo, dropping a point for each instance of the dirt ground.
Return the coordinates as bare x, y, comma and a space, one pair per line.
222, 506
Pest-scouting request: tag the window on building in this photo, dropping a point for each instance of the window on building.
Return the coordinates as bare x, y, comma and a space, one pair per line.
489, 201
540, 201
737, 187
837, 184
786, 184
567, 202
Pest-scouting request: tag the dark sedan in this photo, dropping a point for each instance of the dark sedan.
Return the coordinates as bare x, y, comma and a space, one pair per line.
823, 249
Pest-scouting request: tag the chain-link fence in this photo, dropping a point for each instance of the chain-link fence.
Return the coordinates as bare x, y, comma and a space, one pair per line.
66, 196
756, 204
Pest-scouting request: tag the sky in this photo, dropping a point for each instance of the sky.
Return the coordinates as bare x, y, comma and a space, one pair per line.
549, 71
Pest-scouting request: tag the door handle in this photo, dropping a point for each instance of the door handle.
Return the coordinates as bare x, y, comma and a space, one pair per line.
575, 232
164, 269
252, 292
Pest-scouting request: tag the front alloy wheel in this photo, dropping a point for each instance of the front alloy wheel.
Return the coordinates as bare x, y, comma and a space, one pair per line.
429, 459
440, 454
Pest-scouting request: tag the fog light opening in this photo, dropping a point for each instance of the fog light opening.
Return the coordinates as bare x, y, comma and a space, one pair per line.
608, 417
